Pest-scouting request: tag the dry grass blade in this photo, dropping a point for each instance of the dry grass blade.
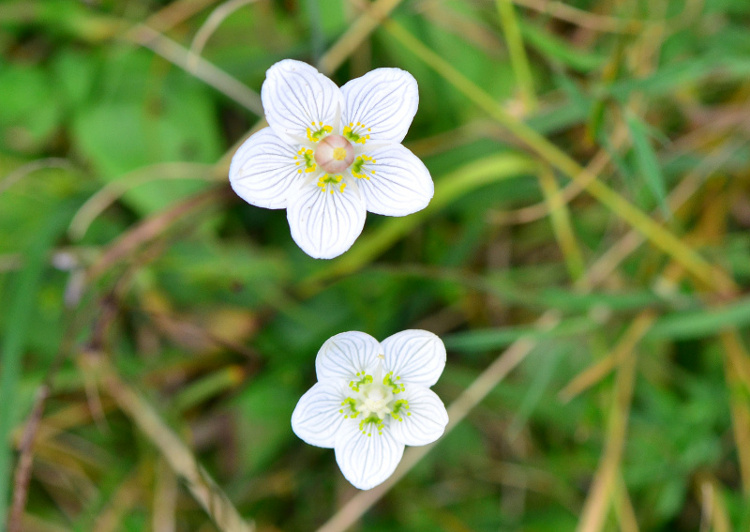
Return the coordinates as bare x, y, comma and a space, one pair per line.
735, 368
360, 29
212, 23
151, 228
608, 262
561, 223
596, 505
624, 507
33, 166
582, 18
200, 484
714, 511
125, 497
165, 499
22, 474
600, 369
709, 275
175, 13
112, 191
569, 192
203, 70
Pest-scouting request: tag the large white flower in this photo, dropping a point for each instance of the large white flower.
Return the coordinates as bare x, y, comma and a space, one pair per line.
332, 154
371, 399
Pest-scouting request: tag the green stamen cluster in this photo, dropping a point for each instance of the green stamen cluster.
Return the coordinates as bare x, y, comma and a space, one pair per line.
357, 166
359, 162
365, 379
395, 386
314, 135
350, 408
398, 407
355, 137
368, 422
374, 398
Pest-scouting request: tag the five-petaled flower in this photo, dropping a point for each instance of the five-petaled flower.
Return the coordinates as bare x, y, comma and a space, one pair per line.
371, 399
331, 154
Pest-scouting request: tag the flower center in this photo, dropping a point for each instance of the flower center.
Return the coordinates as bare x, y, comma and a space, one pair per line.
334, 154
374, 398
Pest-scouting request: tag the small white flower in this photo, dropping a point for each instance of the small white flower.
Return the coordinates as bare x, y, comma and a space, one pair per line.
371, 399
330, 155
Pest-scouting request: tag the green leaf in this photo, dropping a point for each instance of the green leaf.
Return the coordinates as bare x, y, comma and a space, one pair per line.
702, 323
29, 112
17, 328
261, 409
144, 121
647, 162
556, 49
491, 339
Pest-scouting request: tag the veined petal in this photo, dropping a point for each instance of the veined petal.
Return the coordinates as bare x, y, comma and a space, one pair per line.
393, 181
381, 104
326, 220
343, 356
264, 170
417, 356
296, 97
425, 419
367, 461
317, 417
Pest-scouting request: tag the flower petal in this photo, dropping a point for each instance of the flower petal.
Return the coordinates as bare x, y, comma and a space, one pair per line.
264, 170
417, 356
317, 417
343, 356
384, 101
296, 96
324, 221
395, 182
425, 419
367, 461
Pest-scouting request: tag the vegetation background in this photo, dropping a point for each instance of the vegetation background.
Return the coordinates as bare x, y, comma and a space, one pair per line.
586, 259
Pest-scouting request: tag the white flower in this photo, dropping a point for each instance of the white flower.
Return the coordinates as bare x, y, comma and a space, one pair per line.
330, 155
371, 399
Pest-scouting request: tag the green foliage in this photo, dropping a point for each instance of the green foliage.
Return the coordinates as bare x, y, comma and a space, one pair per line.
121, 242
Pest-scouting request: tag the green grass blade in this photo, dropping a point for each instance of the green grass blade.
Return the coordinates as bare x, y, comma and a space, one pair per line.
17, 328
702, 323
491, 339
553, 48
448, 188
648, 164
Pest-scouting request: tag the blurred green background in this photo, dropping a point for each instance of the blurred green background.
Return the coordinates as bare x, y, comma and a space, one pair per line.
596, 320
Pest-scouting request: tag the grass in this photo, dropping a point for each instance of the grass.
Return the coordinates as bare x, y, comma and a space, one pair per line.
584, 259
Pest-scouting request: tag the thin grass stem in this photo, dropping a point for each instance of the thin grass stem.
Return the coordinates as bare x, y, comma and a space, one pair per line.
561, 224
707, 274
200, 484
518, 59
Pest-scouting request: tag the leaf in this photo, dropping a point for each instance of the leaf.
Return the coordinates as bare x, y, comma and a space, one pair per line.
141, 122
702, 323
647, 162
29, 112
491, 339
555, 48
264, 410
18, 326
